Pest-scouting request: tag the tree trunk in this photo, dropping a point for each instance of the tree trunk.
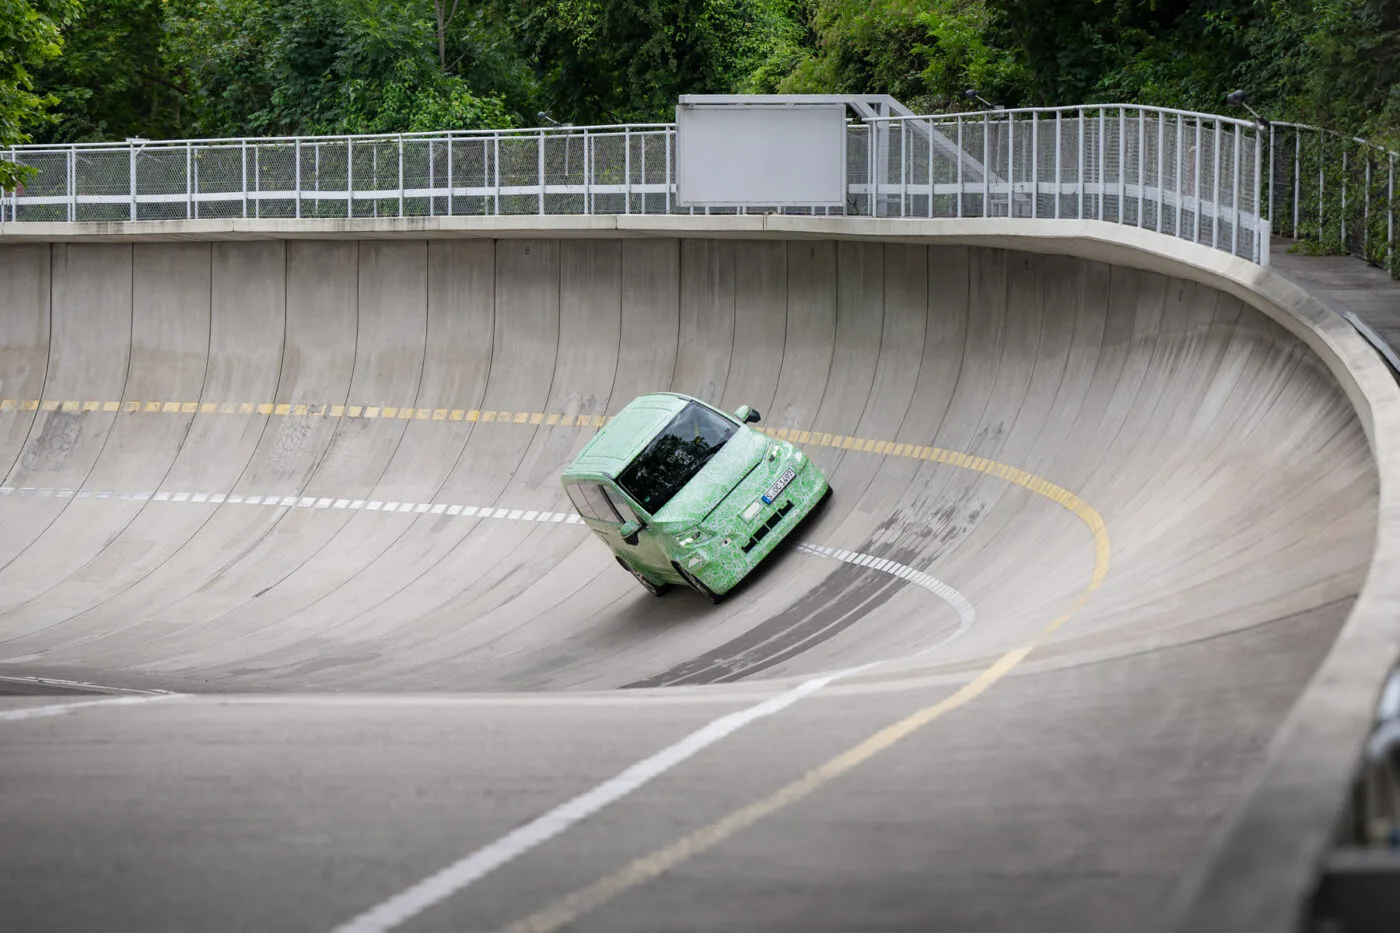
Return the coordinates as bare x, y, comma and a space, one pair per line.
441, 33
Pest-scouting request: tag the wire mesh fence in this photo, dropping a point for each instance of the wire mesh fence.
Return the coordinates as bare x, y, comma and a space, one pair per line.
1208, 179
1334, 193
1187, 175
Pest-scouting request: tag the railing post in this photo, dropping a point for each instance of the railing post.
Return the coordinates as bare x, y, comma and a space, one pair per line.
1010, 165
72, 184
986, 166
928, 126
1321, 184
903, 167
1161, 159
401, 209
451, 178
1298, 177
871, 183
192, 173
132, 151
296, 177
1390, 218
962, 156
1082, 119
539, 167
432, 179
243, 148
1215, 190
1260, 233
1141, 164
1059, 169
349, 177
1235, 197
1035, 165
1366, 209
588, 163
496, 170
670, 184
1271, 172
1122, 163
1103, 159
627, 169
1344, 196
1196, 180
1180, 168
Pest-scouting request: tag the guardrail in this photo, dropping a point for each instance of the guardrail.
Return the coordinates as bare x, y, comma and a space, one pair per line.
1336, 191
1188, 175
583, 170
1216, 180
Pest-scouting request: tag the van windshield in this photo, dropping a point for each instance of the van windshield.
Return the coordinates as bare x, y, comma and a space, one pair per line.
676, 454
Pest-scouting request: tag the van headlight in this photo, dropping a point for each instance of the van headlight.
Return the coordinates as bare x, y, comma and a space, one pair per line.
694, 536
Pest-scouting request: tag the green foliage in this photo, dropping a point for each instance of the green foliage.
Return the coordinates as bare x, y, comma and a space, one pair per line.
925, 54
285, 67
630, 59
160, 68
112, 81
1356, 84
29, 37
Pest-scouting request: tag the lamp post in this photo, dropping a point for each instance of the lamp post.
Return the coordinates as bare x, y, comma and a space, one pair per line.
1238, 98
971, 94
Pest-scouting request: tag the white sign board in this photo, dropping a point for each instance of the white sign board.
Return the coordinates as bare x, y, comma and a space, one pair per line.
757, 155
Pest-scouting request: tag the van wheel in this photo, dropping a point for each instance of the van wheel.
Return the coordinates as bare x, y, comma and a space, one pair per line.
696, 585
655, 589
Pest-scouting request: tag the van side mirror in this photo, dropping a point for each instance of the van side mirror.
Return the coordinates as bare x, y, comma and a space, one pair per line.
629, 531
747, 415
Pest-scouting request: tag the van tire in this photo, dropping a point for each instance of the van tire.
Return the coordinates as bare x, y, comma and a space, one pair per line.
696, 585
655, 589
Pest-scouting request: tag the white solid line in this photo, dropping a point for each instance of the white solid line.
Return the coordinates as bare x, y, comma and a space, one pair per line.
35, 681
449, 881
36, 712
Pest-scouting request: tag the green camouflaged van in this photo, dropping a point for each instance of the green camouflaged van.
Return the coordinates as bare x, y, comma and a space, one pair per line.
685, 493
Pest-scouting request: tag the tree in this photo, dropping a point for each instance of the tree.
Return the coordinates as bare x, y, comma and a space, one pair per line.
29, 37
1356, 79
925, 54
115, 78
445, 16
629, 59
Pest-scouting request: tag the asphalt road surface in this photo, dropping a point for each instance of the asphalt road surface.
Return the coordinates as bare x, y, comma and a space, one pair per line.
297, 631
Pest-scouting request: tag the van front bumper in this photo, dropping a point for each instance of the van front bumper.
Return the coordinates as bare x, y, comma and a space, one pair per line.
724, 560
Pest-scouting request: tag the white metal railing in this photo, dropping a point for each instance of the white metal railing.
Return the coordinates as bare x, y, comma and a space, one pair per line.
579, 170
1188, 175
1210, 179
1335, 190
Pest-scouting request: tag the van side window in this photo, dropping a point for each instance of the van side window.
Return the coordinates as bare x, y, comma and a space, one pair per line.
592, 502
619, 504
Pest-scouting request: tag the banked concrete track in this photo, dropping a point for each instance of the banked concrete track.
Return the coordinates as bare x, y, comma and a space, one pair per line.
1099, 524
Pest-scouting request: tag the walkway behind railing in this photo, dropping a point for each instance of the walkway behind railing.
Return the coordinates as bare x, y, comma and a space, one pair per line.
1334, 191
1209, 179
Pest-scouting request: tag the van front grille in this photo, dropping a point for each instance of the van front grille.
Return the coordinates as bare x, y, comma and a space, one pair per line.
768, 526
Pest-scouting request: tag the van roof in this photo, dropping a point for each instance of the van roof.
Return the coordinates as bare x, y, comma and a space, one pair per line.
626, 434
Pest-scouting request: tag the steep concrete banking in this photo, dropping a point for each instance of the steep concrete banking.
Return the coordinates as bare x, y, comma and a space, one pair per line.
324, 457
266, 465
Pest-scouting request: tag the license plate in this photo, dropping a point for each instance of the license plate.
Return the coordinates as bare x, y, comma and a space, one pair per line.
778, 486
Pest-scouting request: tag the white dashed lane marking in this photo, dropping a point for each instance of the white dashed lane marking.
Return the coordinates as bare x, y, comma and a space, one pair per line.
959, 603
